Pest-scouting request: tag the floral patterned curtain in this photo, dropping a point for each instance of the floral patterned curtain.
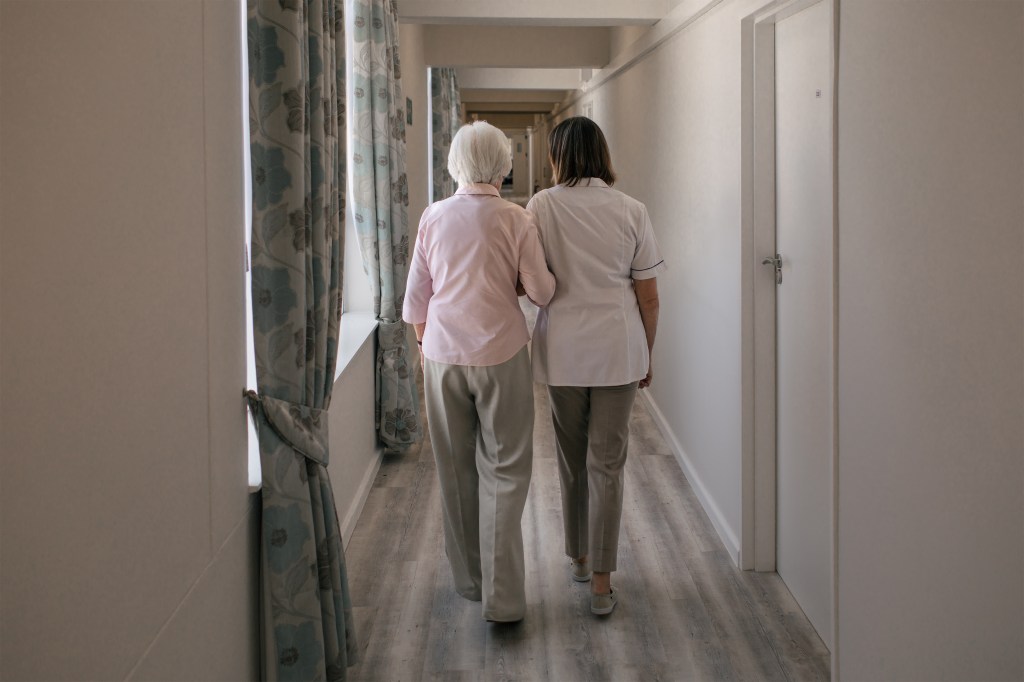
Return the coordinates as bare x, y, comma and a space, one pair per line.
380, 202
446, 115
297, 126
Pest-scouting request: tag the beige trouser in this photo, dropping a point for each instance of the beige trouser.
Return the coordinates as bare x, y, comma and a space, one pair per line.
481, 428
592, 434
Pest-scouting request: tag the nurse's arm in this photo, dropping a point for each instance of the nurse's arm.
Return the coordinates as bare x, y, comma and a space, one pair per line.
647, 299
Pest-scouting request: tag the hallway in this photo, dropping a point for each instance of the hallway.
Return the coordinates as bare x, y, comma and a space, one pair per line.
132, 526
687, 613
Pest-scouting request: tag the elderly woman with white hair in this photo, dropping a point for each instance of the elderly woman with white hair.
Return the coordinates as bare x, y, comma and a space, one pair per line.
474, 250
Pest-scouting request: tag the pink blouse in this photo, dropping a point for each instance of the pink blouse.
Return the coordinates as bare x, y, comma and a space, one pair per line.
470, 250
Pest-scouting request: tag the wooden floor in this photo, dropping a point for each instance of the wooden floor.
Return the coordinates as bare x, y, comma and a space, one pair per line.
685, 612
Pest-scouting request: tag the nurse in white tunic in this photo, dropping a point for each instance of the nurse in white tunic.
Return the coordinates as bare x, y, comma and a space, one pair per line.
592, 343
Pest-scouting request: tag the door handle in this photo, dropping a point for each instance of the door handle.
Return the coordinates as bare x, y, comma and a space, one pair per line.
777, 264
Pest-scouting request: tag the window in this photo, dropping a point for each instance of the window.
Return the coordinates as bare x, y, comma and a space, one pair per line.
255, 475
356, 291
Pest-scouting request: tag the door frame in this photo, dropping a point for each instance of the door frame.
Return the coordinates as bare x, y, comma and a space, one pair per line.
759, 352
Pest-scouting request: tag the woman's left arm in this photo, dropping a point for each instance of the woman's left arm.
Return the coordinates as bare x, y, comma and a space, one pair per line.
419, 286
647, 298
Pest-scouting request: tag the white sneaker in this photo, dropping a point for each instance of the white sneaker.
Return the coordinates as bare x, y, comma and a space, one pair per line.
603, 604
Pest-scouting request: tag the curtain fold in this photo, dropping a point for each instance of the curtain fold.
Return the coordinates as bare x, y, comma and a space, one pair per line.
446, 118
297, 141
380, 206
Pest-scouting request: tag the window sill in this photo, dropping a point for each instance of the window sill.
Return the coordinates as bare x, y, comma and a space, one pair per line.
357, 329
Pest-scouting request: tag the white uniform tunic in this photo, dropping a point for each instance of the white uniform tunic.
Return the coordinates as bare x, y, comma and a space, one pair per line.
596, 240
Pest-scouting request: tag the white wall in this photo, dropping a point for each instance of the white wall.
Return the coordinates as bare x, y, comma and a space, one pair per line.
355, 456
525, 12
931, 383
518, 79
516, 46
417, 151
621, 37
931, 340
679, 153
128, 531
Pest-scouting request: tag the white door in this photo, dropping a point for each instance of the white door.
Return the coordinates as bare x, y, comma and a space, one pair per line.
803, 101
520, 165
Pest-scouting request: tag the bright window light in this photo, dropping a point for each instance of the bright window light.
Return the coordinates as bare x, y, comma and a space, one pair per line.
255, 474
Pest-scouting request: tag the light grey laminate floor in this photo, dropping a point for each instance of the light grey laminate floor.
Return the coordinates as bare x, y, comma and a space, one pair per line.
686, 613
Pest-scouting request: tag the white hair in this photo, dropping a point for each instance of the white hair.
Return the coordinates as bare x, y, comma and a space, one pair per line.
479, 153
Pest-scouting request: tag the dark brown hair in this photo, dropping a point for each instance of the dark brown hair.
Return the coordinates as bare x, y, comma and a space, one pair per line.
578, 150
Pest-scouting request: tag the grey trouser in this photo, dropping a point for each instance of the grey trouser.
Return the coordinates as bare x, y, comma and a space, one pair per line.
592, 434
481, 428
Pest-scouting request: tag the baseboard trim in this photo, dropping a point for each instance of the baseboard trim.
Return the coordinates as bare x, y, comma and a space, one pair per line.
355, 509
725, 532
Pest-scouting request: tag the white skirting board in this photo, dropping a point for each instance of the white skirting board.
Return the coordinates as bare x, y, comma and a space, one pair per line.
355, 509
725, 532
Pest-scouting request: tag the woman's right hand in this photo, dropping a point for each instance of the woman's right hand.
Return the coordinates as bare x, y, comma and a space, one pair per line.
646, 381
421, 330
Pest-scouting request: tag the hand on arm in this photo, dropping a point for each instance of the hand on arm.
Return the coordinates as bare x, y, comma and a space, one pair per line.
420, 329
535, 279
647, 299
